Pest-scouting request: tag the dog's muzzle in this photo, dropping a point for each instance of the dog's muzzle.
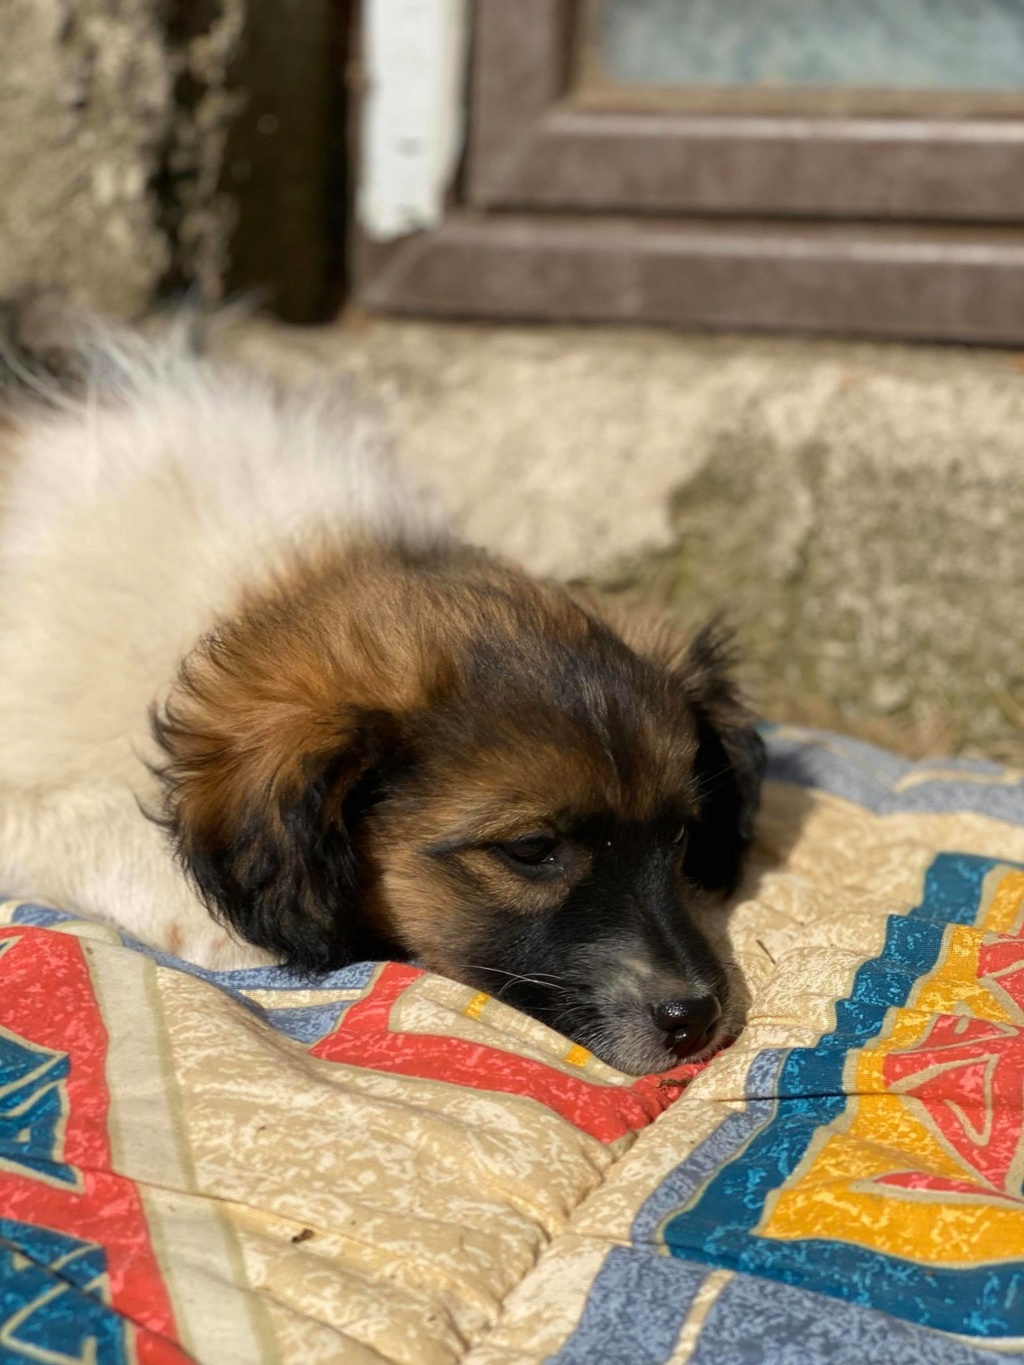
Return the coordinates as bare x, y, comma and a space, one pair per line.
689, 1025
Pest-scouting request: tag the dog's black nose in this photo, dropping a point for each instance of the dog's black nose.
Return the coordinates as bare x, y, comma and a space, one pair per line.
688, 1023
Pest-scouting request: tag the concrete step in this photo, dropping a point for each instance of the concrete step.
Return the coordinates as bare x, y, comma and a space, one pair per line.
855, 509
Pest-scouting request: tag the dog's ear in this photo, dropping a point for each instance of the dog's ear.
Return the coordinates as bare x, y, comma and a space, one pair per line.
268, 768
729, 765
730, 757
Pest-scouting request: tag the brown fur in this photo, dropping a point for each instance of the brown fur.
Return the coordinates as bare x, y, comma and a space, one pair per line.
385, 744
349, 755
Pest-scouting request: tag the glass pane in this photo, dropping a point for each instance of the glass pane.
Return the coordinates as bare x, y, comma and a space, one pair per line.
968, 45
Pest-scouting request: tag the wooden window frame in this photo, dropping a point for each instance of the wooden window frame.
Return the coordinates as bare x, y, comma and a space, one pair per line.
850, 223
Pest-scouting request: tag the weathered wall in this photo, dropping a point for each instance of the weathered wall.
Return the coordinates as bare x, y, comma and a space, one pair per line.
112, 124
855, 509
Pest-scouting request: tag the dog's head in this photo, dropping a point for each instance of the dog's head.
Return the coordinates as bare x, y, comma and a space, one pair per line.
427, 753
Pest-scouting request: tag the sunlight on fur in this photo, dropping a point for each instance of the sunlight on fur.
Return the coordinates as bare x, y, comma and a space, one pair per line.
259, 705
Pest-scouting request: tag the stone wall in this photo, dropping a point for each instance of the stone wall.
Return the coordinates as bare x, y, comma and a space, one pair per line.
112, 125
854, 509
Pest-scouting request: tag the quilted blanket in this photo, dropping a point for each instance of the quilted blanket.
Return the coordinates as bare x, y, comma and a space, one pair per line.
384, 1166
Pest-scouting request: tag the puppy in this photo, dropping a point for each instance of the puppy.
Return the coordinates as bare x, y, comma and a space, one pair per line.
258, 705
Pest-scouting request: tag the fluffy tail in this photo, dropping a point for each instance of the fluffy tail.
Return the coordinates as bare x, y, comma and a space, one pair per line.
52, 351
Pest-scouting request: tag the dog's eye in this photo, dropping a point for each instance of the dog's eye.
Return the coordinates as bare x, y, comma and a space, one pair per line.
679, 842
532, 851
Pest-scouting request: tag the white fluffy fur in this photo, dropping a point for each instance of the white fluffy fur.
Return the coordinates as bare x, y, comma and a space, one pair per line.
131, 521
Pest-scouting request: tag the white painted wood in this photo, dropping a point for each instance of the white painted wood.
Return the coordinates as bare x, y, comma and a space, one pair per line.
414, 55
